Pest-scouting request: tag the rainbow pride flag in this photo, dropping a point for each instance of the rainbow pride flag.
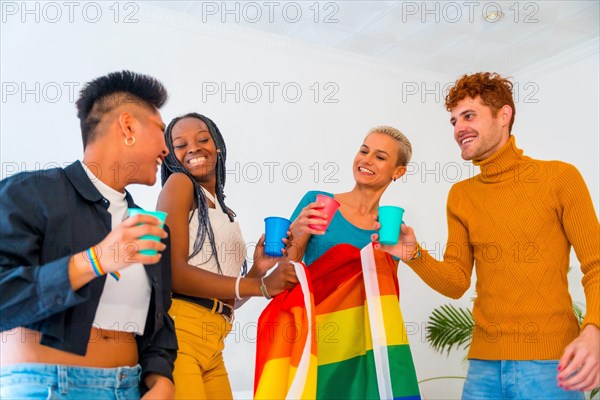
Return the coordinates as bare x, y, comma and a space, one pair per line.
345, 318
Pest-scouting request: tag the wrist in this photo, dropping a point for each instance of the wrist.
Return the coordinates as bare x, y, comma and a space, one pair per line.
293, 229
154, 380
80, 270
297, 231
590, 329
250, 287
416, 254
238, 297
263, 289
94, 260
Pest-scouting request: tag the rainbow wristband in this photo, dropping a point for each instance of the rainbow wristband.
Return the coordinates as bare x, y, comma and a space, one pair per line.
417, 253
96, 264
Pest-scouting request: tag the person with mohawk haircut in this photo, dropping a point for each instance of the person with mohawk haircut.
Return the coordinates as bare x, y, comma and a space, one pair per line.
83, 310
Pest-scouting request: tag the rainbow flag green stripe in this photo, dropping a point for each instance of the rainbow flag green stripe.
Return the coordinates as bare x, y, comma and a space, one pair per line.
350, 379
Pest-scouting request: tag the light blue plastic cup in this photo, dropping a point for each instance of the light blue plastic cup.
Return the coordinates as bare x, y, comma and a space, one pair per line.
161, 215
390, 218
275, 229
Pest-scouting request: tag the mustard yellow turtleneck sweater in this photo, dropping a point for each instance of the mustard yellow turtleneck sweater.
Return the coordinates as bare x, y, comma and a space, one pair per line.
517, 221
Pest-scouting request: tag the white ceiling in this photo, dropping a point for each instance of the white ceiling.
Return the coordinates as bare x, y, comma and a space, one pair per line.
444, 37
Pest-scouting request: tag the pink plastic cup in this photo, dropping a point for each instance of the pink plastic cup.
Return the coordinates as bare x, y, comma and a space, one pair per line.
331, 205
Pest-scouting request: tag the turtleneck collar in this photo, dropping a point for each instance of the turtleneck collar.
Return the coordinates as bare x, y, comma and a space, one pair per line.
500, 165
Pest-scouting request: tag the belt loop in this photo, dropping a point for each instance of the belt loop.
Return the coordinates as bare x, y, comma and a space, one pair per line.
214, 308
229, 319
63, 379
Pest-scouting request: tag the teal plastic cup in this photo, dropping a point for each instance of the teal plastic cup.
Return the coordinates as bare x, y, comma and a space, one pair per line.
160, 215
275, 229
390, 218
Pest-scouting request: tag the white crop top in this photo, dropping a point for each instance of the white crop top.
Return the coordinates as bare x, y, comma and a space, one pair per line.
124, 304
231, 248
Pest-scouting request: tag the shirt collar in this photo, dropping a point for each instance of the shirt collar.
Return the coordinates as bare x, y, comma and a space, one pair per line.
84, 186
111, 194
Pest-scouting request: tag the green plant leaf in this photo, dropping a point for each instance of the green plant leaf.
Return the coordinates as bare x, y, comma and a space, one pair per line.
436, 378
594, 393
579, 313
449, 326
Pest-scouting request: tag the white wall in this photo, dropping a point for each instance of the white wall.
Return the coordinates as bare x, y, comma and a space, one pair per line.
43, 132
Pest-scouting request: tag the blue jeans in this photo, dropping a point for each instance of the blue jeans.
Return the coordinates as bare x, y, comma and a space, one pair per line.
506, 379
47, 381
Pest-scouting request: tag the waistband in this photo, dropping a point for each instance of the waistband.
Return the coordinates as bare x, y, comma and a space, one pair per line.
74, 375
214, 305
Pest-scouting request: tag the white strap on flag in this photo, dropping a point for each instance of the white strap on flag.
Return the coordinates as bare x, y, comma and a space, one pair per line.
297, 386
375, 310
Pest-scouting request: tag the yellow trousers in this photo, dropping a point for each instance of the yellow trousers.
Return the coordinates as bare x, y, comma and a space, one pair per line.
199, 368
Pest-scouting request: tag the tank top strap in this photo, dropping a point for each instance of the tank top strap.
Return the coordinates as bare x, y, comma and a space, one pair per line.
208, 195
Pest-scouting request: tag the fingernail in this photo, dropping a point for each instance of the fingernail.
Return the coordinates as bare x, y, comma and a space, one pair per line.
559, 367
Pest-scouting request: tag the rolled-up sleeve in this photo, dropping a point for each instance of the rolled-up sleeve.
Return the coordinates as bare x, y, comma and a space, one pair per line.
159, 355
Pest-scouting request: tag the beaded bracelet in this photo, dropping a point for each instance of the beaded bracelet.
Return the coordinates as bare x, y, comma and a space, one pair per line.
263, 289
96, 267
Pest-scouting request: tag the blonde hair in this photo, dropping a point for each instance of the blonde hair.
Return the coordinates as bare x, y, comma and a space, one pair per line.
405, 148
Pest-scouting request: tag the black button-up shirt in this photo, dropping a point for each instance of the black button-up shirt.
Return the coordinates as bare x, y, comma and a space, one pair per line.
45, 218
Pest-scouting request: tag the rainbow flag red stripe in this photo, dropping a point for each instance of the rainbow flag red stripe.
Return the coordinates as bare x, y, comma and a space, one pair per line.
360, 347
286, 360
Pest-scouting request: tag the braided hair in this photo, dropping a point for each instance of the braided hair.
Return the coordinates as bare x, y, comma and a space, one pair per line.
172, 165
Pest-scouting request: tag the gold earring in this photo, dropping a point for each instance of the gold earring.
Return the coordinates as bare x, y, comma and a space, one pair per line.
130, 143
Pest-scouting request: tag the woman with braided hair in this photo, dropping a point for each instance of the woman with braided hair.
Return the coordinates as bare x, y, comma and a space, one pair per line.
208, 255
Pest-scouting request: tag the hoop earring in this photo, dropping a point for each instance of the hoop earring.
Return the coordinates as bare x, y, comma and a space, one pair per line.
128, 143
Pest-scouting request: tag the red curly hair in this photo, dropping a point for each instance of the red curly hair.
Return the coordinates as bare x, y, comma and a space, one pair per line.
494, 91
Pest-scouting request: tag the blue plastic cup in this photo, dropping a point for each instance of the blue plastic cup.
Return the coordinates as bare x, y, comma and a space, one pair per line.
275, 229
390, 218
161, 215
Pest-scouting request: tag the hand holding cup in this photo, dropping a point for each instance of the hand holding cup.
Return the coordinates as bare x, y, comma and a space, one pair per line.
399, 240
160, 216
276, 230
316, 217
